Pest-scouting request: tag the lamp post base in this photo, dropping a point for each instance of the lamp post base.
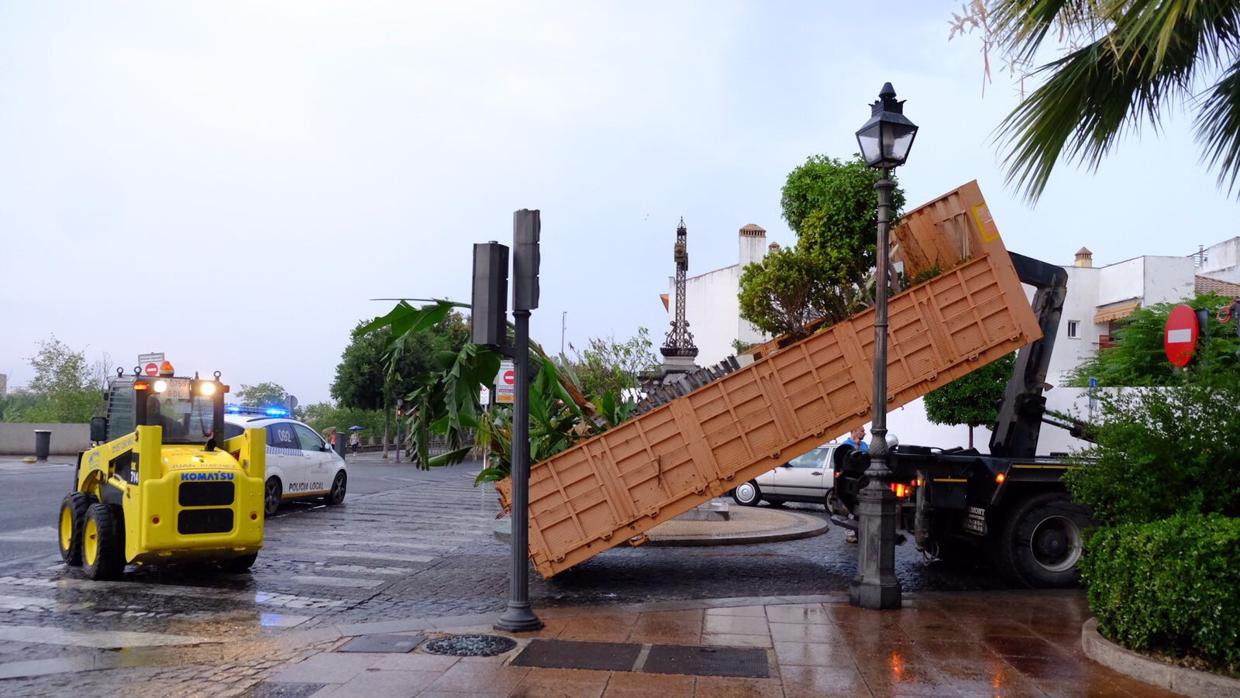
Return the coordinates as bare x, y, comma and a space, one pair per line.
518, 618
876, 585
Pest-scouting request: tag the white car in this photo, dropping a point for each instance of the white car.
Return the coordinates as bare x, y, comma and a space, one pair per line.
300, 463
807, 478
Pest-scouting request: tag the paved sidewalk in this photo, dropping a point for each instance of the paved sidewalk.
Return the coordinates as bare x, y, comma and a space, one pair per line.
939, 644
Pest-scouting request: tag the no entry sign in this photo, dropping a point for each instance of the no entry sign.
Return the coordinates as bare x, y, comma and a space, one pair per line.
505, 383
1180, 336
151, 369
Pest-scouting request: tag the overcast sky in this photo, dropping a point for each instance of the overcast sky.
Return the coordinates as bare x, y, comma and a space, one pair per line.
231, 182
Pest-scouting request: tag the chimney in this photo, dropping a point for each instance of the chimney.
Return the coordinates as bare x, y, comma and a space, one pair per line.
1084, 258
752, 244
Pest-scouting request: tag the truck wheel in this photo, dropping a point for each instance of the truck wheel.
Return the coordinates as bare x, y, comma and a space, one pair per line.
1042, 541
271, 499
72, 516
241, 564
747, 494
339, 485
102, 553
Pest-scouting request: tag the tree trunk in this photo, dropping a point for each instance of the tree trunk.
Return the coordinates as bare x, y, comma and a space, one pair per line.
970, 436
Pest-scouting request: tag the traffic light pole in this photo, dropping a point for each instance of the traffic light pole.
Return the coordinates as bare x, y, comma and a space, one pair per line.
519, 616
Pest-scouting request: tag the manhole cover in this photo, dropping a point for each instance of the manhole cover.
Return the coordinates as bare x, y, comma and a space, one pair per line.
470, 645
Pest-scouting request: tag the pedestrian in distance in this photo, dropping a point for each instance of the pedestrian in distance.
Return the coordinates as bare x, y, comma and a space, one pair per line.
355, 442
329, 435
856, 439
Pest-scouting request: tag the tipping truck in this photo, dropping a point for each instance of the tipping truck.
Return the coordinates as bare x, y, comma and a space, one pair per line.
729, 425
1009, 506
160, 483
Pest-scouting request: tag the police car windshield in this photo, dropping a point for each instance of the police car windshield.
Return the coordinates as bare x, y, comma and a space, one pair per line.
186, 418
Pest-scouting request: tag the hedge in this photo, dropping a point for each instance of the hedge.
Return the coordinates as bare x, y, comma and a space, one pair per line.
1169, 587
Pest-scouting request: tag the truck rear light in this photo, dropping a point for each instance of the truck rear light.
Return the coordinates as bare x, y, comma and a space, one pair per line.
1000, 478
901, 489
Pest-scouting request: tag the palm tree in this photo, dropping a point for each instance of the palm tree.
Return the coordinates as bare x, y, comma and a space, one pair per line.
1129, 61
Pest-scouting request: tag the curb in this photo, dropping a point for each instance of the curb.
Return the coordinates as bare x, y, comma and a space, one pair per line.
1182, 680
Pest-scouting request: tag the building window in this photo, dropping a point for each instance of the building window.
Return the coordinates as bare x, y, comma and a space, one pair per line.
1072, 329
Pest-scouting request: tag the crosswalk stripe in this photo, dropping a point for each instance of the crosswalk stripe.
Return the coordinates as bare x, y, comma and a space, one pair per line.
314, 555
343, 582
99, 639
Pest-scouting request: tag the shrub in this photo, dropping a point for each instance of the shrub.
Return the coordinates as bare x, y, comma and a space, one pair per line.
1164, 451
1169, 587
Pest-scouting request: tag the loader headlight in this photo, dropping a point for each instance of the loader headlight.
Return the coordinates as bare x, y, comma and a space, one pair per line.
161, 386
206, 388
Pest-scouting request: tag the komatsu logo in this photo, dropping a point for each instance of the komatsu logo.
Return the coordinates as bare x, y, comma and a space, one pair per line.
206, 476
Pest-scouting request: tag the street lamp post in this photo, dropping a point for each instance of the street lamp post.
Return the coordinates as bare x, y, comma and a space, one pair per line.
885, 141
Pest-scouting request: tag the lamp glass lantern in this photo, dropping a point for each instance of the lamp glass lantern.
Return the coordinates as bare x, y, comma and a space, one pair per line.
887, 137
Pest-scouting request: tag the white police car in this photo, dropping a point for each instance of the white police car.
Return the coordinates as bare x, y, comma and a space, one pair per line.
300, 464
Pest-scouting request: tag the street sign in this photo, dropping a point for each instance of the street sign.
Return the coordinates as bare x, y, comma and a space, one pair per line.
1180, 336
505, 383
155, 357
151, 369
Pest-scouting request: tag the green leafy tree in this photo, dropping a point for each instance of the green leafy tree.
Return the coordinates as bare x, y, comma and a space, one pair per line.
363, 379
832, 206
1125, 63
608, 366
1138, 358
972, 399
65, 388
262, 394
444, 403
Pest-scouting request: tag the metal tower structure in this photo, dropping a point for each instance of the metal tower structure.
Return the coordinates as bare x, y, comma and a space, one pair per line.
679, 341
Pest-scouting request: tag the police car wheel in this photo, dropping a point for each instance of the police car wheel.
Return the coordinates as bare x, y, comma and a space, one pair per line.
271, 499
69, 527
102, 547
339, 486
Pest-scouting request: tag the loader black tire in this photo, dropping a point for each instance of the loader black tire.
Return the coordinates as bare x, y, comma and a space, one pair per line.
1042, 541
241, 564
103, 548
69, 526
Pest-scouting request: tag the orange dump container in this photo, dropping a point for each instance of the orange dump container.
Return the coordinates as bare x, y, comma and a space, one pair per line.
614, 487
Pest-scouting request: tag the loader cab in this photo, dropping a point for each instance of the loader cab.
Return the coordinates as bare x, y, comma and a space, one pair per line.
190, 410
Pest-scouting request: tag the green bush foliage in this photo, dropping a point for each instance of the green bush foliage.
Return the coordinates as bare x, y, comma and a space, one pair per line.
1164, 451
1138, 357
1170, 586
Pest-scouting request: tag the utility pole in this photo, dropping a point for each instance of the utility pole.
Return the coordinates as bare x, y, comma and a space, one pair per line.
563, 326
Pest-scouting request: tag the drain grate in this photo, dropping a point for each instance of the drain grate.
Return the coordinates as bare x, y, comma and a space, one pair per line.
571, 654
707, 661
470, 645
398, 644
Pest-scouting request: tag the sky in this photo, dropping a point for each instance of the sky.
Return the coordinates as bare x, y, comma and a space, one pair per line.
232, 183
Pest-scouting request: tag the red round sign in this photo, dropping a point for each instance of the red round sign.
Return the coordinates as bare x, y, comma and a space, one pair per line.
510, 377
1180, 336
151, 369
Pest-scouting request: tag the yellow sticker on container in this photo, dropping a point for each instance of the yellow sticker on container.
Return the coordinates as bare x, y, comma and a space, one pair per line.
985, 224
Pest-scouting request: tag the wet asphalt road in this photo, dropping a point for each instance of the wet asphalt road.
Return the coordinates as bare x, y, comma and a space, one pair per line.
406, 544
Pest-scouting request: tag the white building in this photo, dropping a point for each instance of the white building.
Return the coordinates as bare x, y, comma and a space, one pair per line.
711, 305
1098, 297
